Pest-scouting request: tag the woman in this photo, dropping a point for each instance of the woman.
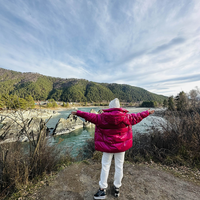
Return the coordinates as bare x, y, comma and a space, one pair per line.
113, 136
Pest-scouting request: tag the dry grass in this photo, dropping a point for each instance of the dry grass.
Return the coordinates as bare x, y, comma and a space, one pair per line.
87, 151
20, 168
177, 142
19, 165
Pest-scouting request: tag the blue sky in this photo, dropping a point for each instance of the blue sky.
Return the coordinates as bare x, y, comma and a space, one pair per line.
153, 44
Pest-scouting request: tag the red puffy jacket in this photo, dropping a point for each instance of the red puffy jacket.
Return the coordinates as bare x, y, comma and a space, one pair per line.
113, 131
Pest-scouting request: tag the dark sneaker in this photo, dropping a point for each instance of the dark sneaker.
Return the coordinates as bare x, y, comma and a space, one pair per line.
101, 194
116, 191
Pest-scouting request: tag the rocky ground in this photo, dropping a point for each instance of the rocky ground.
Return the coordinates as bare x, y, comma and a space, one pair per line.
79, 181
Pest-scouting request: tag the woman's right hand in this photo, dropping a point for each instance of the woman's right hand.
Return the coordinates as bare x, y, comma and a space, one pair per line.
73, 112
151, 111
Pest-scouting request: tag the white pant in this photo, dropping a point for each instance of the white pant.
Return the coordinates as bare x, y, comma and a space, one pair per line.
106, 162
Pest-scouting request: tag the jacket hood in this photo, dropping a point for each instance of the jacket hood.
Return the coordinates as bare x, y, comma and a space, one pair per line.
114, 116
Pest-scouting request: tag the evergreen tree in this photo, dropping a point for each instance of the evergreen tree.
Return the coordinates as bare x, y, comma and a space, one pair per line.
165, 103
181, 101
54, 104
51, 103
30, 102
22, 103
148, 104
171, 104
155, 104
14, 102
1, 102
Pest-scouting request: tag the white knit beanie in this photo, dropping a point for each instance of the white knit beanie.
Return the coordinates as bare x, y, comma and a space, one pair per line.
114, 103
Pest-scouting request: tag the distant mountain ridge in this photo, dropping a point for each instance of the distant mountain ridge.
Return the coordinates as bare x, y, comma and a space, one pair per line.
42, 87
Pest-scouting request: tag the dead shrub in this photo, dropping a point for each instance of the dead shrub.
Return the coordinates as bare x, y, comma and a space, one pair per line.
87, 150
19, 165
177, 141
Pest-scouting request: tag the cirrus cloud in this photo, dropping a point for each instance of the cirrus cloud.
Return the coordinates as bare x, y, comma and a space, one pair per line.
149, 44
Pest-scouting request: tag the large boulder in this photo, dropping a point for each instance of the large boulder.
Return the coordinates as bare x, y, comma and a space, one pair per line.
22, 131
68, 125
89, 124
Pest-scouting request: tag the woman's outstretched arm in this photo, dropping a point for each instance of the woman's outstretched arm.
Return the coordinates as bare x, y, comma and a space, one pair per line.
91, 117
136, 118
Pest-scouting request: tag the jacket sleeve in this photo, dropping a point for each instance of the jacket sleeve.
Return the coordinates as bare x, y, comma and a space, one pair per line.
136, 118
91, 117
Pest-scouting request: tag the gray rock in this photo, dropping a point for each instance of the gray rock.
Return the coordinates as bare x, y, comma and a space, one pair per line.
20, 115
67, 125
100, 111
89, 124
22, 131
93, 111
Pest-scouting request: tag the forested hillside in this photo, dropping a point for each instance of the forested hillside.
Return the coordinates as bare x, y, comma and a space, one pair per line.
42, 87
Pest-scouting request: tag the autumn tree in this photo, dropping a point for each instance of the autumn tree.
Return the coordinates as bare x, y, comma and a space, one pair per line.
193, 96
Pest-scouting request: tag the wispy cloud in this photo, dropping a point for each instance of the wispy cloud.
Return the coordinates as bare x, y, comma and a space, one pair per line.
171, 44
150, 44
